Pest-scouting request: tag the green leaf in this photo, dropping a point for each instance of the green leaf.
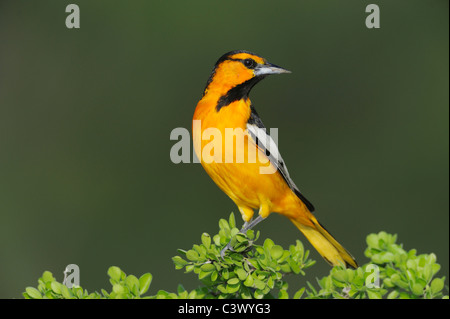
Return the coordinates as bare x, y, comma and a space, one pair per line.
340, 275
118, 288
241, 238
268, 243
293, 265
435, 268
232, 288
222, 288
276, 251
259, 284
33, 293
189, 268
208, 267
181, 291
216, 239
270, 283
249, 281
411, 264
105, 293
404, 295
245, 293
417, 289
192, 255
223, 224
47, 277
258, 294
233, 281
373, 294
114, 273
250, 234
393, 295
372, 241
427, 272
285, 268
179, 262
436, 285
386, 257
131, 281
78, 292
388, 283
200, 250
65, 292
232, 221
56, 287
161, 294
432, 258
241, 273
396, 280
203, 274
282, 294
206, 240
299, 293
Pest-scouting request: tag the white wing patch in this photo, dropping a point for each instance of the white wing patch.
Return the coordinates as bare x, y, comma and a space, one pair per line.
265, 142
268, 146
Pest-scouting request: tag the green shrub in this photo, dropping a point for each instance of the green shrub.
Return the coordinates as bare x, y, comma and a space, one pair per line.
249, 270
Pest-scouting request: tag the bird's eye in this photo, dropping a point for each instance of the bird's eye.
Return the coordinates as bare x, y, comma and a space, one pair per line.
250, 63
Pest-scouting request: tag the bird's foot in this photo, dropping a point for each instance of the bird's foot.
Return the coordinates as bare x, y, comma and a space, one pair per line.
245, 227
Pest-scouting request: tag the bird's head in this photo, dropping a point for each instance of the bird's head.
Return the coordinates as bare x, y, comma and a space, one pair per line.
236, 72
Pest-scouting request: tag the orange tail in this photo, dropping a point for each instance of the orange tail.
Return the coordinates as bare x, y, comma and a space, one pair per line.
325, 244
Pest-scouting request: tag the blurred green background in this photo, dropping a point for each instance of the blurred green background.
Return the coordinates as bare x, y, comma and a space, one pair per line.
85, 119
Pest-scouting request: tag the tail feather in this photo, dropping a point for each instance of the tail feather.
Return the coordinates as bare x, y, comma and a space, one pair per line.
325, 244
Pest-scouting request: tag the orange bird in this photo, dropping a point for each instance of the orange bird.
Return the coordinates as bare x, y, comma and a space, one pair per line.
242, 158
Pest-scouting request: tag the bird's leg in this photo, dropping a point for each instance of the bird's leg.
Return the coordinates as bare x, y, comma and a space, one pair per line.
264, 211
245, 227
247, 216
228, 246
251, 224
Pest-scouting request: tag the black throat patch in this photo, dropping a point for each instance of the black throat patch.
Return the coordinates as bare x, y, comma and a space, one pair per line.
238, 92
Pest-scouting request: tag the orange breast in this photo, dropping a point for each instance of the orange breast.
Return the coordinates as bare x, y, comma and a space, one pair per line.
233, 161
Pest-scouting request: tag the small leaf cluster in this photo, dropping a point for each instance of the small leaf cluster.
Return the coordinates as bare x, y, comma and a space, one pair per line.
246, 271
127, 287
345, 284
401, 274
123, 287
406, 274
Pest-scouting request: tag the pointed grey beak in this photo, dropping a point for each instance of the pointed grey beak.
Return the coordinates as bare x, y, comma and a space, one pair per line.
269, 68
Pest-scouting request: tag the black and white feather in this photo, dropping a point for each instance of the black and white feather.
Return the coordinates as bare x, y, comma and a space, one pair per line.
265, 142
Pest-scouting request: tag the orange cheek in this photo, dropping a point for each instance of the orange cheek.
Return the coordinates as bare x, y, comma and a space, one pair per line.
236, 73
239, 74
